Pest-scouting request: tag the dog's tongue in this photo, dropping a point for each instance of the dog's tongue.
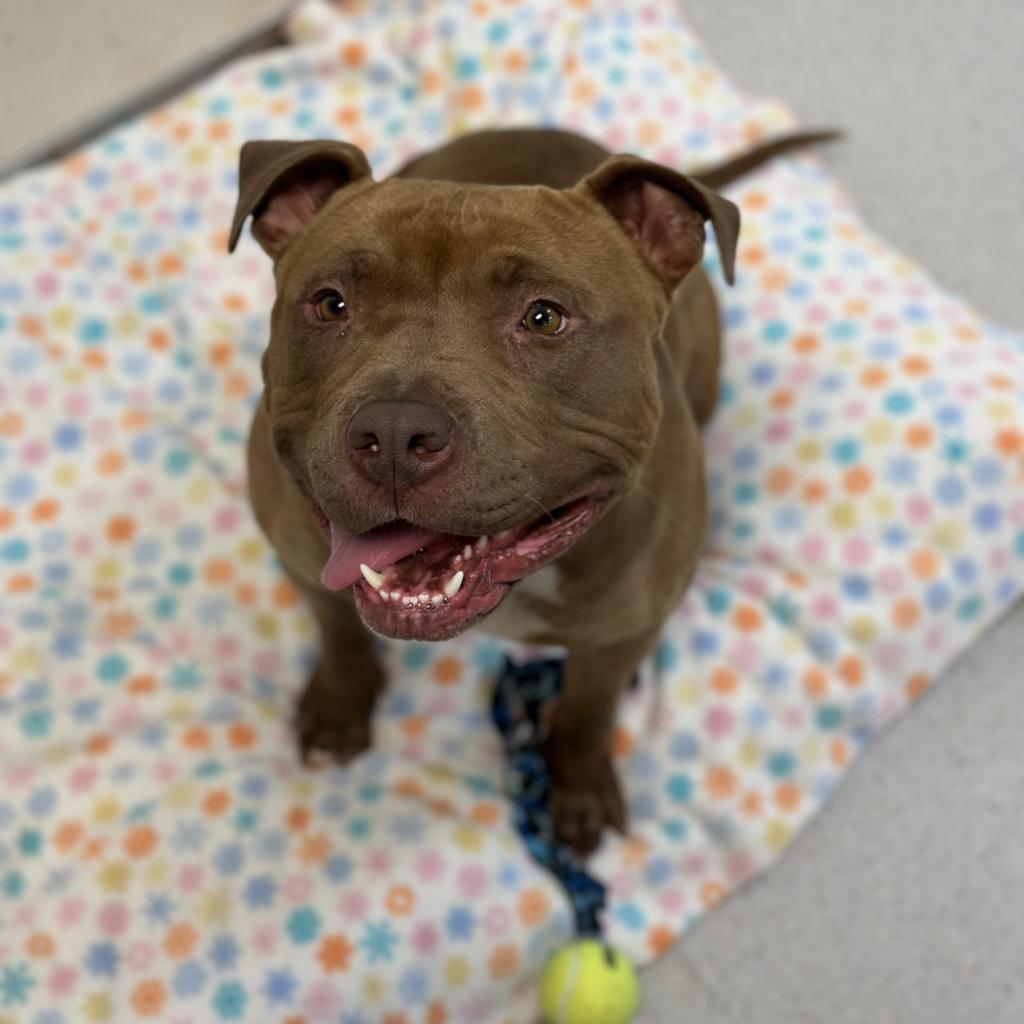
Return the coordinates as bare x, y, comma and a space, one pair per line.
376, 548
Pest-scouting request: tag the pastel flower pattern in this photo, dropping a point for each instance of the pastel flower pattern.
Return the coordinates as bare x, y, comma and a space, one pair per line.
163, 855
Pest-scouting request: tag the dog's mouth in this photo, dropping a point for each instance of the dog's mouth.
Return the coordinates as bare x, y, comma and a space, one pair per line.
413, 583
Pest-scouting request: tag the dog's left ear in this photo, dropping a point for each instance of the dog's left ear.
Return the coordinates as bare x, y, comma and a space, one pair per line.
284, 184
664, 213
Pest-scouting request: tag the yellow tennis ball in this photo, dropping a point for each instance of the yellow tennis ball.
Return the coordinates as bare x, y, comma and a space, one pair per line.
588, 983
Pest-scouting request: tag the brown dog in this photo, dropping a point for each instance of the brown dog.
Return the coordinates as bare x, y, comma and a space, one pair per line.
483, 392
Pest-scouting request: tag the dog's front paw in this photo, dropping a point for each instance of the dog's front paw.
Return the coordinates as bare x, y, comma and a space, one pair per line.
325, 724
584, 798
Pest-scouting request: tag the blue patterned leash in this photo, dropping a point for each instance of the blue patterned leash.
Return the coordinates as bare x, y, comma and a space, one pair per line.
522, 709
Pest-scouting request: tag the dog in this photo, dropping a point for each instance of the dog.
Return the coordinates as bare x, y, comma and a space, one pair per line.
483, 396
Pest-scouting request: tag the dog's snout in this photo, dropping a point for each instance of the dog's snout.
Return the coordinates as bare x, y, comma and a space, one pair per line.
399, 443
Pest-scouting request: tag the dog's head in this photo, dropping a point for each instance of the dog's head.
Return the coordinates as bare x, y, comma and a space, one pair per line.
460, 377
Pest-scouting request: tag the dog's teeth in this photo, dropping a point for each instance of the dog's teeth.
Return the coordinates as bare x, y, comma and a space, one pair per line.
375, 579
408, 601
467, 552
504, 535
424, 597
395, 595
383, 594
436, 599
481, 543
457, 560
451, 588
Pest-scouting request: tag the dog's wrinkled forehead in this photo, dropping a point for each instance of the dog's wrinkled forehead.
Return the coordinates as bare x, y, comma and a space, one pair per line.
457, 206
435, 231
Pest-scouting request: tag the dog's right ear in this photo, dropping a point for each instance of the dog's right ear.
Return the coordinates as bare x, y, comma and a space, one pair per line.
283, 185
663, 212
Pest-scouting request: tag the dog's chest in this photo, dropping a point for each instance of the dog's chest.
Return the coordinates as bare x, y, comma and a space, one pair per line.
521, 616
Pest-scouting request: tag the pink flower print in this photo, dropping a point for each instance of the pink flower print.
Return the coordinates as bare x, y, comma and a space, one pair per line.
103, 431
81, 547
719, 722
264, 942
139, 956
740, 866
998, 559
695, 864
297, 888
267, 663
380, 862
141, 488
70, 911
429, 866
321, 1001
672, 902
33, 452
19, 776
744, 347
813, 549
230, 680
472, 881
227, 647
167, 513
743, 655
113, 918
824, 606
425, 938
891, 579
125, 717
61, 981
857, 551
353, 905
76, 404
496, 919
892, 656
633, 103
794, 718
76, 682
47, 284
481, 1004
800, 374
190, 878
778, 431
615, 137
622, 885
25, 917
227, 518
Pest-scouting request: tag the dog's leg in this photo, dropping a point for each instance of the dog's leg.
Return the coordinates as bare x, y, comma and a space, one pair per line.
585, 793
333, 713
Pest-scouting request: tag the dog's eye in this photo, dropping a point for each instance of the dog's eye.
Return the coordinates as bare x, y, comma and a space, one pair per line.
331, 306
543, 318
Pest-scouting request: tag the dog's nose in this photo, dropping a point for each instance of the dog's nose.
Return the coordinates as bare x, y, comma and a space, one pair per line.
399, 443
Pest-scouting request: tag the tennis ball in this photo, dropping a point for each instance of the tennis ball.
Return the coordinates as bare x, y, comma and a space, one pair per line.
588, 983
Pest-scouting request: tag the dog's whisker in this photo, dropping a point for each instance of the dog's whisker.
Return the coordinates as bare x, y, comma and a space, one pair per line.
544, 509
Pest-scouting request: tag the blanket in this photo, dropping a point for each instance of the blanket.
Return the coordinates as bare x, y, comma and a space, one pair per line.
163, 854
